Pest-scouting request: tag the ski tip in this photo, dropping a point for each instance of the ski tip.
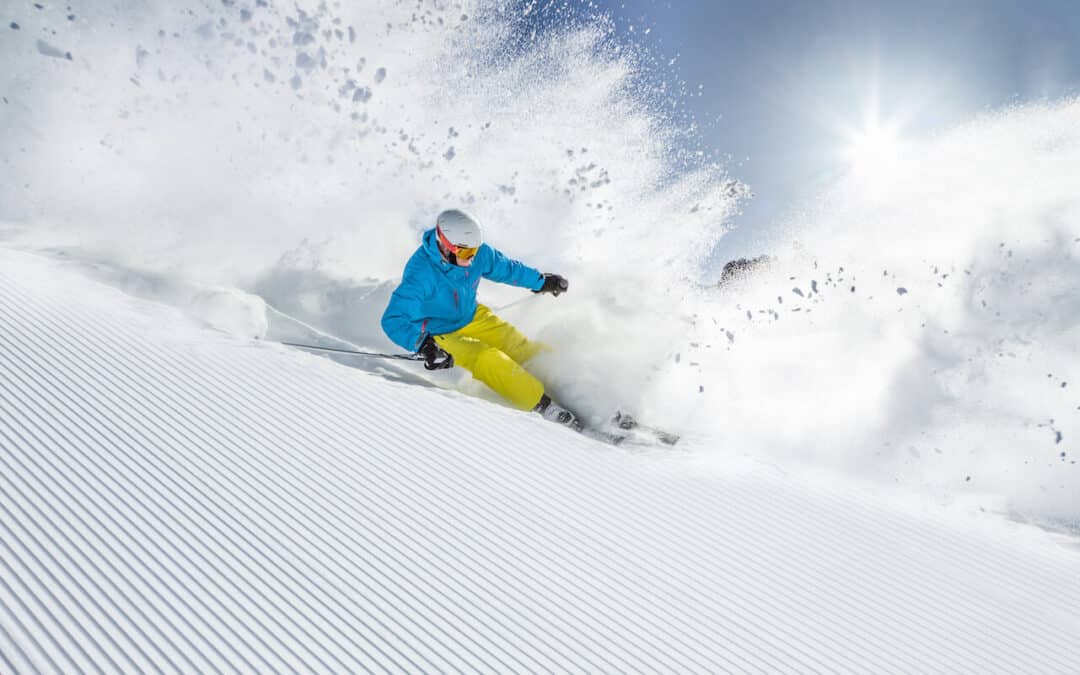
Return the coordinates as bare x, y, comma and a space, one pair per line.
625, 422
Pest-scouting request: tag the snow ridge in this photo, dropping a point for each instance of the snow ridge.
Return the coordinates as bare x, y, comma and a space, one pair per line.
174, 500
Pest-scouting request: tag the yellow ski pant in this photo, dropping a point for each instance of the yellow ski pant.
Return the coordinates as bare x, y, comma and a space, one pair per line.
492, 350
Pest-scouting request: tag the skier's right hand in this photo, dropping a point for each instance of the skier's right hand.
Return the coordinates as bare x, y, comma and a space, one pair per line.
554, 284
435, 357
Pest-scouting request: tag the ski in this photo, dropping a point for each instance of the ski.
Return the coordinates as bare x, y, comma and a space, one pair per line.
604, 436
632, 427
624, 429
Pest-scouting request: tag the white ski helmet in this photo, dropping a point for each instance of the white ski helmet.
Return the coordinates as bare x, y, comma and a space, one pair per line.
459, 236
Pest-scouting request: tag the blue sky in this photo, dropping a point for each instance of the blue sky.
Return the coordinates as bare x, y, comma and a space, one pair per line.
786, 83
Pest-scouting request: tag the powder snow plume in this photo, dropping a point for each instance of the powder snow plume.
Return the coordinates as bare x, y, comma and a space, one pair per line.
218, 141
919, 330
296, 152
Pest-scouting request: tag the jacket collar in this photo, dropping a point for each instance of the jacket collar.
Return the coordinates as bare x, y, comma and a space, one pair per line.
431, 247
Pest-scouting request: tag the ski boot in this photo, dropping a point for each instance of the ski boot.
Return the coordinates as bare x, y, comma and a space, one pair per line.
553, 412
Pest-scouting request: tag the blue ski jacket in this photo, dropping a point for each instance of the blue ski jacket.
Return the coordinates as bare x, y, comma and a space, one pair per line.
436, 297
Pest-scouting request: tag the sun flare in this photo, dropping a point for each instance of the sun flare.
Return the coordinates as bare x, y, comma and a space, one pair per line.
874, 152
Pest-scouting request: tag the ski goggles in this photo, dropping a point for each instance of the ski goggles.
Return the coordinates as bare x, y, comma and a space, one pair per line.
463, 254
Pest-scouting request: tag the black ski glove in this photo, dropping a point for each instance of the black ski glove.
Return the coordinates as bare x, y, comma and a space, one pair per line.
435, 357
554, 284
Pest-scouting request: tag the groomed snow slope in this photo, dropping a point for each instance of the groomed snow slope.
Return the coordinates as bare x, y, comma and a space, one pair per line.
175, 500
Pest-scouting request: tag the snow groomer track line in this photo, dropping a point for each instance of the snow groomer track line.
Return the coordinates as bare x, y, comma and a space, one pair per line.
174, 500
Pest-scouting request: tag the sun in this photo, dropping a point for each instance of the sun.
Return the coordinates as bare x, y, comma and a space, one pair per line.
873, 153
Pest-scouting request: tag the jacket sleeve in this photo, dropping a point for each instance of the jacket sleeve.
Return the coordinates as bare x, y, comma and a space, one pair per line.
403, 321
509, 271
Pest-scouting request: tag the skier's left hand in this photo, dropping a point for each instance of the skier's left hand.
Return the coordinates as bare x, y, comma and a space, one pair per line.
553, 284
435, 357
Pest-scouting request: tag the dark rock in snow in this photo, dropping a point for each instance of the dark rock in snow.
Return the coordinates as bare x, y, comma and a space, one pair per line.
901, 291
733, 269
14, 26
380, 75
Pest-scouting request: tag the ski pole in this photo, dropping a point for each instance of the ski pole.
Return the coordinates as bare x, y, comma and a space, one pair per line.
516, 302
403, 357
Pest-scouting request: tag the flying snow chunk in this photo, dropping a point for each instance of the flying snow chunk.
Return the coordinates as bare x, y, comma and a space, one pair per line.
47, 49
380, 75
305, 62
450, 153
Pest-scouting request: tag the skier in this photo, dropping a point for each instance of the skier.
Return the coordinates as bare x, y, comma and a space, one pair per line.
434, 313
